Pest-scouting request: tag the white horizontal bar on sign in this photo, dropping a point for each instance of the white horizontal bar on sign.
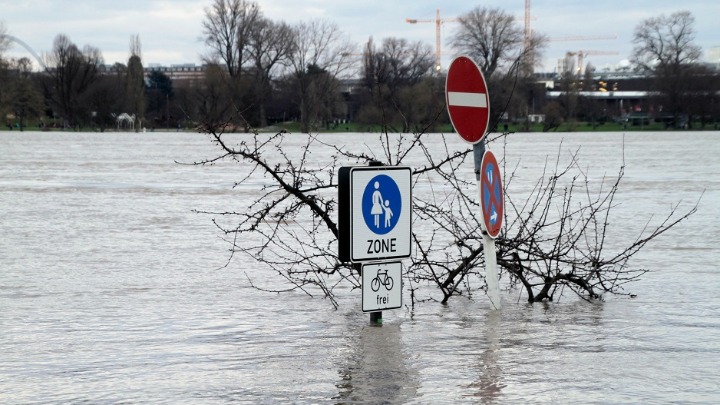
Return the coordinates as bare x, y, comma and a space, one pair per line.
460, 99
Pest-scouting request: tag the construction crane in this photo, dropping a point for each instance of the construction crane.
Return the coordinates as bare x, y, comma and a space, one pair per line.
438, 24
528, 28
528, 31
581, 56
583, 38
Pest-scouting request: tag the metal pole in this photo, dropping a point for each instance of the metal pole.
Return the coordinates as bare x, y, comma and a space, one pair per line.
478, 152
491, 275
375, 317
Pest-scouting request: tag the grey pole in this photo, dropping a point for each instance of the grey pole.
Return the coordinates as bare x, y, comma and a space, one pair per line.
375, 317
478, 152
488, 242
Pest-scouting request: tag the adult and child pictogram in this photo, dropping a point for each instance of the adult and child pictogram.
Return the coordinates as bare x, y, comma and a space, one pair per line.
375, 213
381, 204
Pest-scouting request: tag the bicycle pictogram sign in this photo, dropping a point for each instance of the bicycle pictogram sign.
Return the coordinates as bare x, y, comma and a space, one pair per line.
383, 279
381, 286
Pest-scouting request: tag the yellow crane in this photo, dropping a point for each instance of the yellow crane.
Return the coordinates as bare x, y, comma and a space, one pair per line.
438, 25
528, 31
580, 54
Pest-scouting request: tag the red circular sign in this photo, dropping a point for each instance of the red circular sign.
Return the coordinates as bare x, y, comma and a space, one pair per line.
467, 99
491, 195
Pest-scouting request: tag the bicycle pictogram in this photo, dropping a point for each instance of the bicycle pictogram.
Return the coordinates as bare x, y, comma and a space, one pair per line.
381, 278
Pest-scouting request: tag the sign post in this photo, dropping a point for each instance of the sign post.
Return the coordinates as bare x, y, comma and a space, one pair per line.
468, 104
492, 210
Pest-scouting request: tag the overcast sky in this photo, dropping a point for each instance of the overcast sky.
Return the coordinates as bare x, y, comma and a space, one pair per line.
170, 29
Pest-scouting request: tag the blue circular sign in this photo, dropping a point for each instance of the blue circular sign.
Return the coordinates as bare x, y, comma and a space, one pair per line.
491, 194
381, 204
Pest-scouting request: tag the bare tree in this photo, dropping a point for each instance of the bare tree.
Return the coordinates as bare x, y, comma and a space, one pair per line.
72, 73
554, 113
4, 73
271, 46
290, 228
399, 62
390, 75
666, 41
226, 31
664, 47
702, 97
571, 85
19, 94
13, 76
135, 82
495, 39
4, 40
213, 100
558, 237
322, 56
135, 46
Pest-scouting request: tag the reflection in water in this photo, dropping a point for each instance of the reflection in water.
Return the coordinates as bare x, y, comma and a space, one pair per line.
489, 385
376, 368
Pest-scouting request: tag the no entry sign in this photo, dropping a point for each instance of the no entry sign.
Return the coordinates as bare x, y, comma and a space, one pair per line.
467, 99
491, 195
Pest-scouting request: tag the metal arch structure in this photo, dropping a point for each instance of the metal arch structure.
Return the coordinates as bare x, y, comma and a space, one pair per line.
27, 48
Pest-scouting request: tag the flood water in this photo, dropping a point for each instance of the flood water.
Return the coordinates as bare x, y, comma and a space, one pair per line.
113, 291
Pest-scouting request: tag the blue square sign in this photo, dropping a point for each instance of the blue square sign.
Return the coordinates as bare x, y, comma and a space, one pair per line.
377, 213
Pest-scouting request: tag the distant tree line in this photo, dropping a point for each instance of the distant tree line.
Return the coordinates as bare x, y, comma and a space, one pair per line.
683, 93
258, 72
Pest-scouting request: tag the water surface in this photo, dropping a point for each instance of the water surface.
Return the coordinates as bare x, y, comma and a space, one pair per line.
113, 291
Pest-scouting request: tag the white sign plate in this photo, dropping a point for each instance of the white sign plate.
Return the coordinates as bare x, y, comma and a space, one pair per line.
381, 203
381, 286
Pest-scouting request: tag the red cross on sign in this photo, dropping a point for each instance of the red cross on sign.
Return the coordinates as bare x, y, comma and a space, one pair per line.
467, 99
491, 195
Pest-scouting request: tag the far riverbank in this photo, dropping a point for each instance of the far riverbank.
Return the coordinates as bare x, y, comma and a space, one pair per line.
294, 127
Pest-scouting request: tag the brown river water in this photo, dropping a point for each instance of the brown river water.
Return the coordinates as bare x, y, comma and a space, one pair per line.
112, 291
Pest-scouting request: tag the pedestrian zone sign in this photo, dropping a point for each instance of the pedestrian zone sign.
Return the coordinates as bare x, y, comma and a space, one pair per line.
375, 206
